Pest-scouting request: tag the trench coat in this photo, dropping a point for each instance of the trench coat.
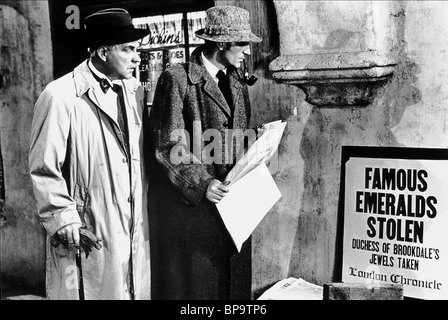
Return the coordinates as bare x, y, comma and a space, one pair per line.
190, 243
81, 173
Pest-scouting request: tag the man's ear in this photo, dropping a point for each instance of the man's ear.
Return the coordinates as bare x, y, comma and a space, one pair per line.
102, 53
220, 45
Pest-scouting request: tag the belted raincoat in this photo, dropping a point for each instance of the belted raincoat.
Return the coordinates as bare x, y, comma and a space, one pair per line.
81, 172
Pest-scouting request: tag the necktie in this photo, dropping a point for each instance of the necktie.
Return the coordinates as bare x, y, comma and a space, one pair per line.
224, 85
121, 109
121, 115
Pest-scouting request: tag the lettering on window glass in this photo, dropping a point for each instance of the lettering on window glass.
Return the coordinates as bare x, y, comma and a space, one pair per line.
166, 45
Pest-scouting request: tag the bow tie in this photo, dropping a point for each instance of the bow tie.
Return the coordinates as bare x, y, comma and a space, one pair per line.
105, 85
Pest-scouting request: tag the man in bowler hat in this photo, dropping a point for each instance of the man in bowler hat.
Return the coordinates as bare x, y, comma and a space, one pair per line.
196, 106
85, 163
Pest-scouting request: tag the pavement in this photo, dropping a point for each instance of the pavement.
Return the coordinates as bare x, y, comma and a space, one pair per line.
20, 294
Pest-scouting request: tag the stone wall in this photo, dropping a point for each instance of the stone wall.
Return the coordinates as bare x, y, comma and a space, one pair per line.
298, 237
25, 68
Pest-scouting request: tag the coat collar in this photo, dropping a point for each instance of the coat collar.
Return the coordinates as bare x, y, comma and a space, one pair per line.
197, 73
86, 84
84, 80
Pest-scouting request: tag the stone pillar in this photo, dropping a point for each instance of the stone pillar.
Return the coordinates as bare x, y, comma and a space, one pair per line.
338, 52
342, 55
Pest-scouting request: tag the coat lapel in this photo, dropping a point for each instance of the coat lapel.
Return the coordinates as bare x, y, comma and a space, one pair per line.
97, 97
85, 83
235, 88
212, 89
198, 73
133, 117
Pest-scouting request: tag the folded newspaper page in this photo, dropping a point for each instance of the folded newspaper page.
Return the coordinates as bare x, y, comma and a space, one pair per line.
252, 190
248, 201
260, 151
293, 289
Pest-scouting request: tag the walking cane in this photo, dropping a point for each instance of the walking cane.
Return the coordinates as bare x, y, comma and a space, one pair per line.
80, 280
87, 240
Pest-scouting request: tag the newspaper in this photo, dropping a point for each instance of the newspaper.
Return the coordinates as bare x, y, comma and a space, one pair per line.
259, 152
293, 289
252, 190
246, 204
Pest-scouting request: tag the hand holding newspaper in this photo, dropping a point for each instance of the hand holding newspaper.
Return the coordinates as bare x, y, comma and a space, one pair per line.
253, 191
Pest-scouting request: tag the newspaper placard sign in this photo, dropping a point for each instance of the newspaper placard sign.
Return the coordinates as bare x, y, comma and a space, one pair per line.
395, 224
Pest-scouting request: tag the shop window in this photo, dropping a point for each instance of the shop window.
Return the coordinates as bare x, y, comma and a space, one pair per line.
68, 44
171, 40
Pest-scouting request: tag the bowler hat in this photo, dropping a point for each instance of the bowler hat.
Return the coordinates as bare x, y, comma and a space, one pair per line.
227, 24
111, 26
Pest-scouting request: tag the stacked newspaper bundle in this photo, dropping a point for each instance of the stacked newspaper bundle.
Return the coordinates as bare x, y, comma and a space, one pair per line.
293, 289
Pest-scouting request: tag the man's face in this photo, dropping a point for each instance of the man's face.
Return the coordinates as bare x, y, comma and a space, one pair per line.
122, 60
234, 52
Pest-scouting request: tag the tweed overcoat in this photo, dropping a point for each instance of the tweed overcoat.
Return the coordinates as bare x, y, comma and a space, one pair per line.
189, 119
80, 173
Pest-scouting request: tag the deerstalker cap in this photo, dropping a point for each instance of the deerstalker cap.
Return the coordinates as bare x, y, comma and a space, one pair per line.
227, 24
111, 26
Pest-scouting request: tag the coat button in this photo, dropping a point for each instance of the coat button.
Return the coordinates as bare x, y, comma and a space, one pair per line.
125, 160
191, 186
129, 199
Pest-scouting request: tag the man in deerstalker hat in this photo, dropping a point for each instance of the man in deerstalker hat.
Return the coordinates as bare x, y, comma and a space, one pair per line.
85, 163
193, 113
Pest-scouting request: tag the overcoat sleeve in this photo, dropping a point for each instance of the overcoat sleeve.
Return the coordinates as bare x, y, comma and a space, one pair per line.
48, 145
171, 140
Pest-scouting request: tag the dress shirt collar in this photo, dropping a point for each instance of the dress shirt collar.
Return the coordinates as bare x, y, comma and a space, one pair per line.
100, 74
211, 68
